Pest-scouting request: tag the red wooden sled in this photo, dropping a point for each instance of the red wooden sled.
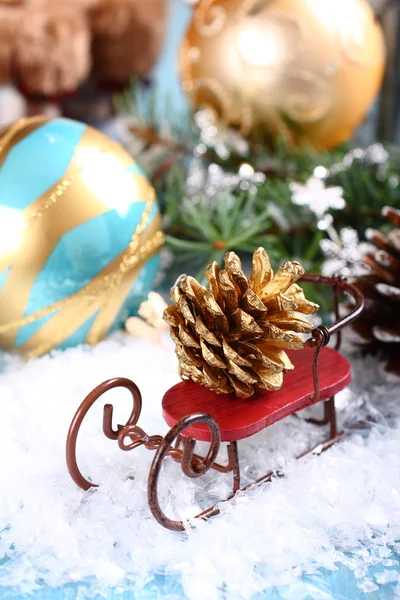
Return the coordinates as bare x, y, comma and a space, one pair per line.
197, 414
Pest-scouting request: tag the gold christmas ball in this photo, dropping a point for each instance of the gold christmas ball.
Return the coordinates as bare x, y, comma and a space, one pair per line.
305, 69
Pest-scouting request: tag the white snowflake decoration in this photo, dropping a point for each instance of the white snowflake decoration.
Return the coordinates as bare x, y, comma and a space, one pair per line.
207, 182
213, 135
345, 259
373, 155
317, 196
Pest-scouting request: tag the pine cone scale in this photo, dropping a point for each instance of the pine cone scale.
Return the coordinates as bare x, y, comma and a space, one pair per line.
394, 239
386, 335
214, 314
244, 325
291, 320
188, 357
214, 377
297, 297
212, 357
390, 291
242, 375
252, 304
205, 333
389, 244
186, 309
386, 261
392, 214
240, 389
268, 378
381, 268
279, 358
287, 342
261, 274
234, 269
274, 362
212, 275
286, 276
229, 293
187, 338
233, 356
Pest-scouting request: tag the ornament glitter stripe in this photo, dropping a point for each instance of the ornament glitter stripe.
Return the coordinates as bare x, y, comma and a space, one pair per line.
151, 241
52, 195
95, 287
99, 289
73, 314
13, 134
71, 318
75, 311
48, 199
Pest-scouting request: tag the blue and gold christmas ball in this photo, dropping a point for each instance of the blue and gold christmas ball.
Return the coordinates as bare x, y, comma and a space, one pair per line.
80, 235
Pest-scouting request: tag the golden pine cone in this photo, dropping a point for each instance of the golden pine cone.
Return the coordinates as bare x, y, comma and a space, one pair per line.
379, 324
231, 336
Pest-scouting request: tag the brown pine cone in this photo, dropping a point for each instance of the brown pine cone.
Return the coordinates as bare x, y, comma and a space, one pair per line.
231, 336
379, 325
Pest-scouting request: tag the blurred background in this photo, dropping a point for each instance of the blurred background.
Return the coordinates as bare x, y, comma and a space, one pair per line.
381, 121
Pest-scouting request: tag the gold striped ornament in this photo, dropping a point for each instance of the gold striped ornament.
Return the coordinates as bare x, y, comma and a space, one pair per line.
80, 234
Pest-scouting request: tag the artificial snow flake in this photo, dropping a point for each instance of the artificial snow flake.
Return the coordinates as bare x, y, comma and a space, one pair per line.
320, 172
376, 154
373, 155
317, 196
207, 182
347, 258
213, 135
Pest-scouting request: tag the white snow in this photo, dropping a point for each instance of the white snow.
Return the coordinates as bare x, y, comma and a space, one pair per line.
340, 507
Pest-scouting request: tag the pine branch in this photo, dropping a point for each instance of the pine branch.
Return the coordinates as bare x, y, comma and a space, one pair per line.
201, 227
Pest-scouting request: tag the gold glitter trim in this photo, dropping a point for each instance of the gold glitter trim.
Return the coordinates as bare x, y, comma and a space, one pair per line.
74, 311
16, 132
